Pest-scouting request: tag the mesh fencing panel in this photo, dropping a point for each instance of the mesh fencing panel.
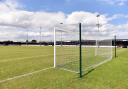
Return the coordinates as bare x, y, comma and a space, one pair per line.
96, 48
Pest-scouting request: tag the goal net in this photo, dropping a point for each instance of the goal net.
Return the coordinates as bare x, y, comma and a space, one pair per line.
96, 48
66, 47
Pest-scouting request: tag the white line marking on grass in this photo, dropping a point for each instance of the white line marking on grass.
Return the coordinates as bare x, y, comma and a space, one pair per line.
21, 58
24, 75
69, 70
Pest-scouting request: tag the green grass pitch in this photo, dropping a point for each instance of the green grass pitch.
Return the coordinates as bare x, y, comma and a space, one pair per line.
20, 60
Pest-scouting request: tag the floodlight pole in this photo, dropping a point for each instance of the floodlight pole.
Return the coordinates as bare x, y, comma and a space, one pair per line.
98, 26
61, 36
40, 36
80, 50
98, 23
27, 38
115, 44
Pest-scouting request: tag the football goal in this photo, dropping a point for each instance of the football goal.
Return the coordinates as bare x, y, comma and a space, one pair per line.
78, 50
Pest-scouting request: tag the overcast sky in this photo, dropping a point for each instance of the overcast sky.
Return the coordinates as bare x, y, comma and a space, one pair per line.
17, 17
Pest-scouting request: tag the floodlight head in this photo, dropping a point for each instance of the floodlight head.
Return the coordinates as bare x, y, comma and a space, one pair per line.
61, 23
98, 16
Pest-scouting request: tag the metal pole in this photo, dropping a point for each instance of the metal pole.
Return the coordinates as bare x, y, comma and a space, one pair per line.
27, 38
80, 49
61, 39
98, 26
61, 36
98, 23
40, 36
115, 44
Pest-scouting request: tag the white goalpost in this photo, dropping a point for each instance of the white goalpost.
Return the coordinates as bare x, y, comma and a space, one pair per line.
54, 47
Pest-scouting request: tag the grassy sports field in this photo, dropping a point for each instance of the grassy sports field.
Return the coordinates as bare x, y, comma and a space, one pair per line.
31, 67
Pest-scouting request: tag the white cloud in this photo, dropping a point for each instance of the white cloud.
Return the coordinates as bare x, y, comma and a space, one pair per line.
9, 5
115, 2
117, 16
85, 17
15, 22
47, 19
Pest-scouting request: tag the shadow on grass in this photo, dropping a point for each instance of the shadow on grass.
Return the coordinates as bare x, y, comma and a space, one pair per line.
88, 72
